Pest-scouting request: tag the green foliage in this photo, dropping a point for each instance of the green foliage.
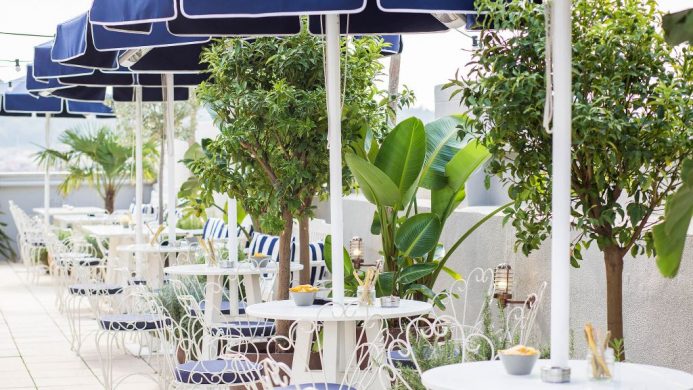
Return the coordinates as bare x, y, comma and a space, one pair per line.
153, 116
617, 346
97, 156
6, 249
632, 118
268, 99
169, 300
670, 235
414, 156
429, 355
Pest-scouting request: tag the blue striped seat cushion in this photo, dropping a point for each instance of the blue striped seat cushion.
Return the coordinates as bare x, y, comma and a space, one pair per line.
317, 253
211, 372
147, 209
243, 328
214, 228
132, 322
265, 244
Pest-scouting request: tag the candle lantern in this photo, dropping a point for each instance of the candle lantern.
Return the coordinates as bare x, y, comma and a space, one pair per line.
356, 251
503, 286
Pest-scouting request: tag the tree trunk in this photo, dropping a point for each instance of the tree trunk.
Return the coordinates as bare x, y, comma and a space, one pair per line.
304, 243
109, 199
613, 261
256, 223
283, 272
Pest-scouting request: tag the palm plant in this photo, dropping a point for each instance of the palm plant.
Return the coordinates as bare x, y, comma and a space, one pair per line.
97, 156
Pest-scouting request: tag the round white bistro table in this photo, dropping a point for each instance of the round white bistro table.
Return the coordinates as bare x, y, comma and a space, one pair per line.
70, 210
154, 256
251, 283
491, 375
339, 332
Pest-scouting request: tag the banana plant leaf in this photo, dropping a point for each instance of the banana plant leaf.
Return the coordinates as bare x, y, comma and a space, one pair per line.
402, 154
442, 143
678, 27
376, 186
418, 235
670, 235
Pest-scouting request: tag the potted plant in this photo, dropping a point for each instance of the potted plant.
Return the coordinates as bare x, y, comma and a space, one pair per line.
97, 156
414, 156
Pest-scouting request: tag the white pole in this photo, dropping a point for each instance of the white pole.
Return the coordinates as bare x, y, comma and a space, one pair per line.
47, 177
560, 224
170, 156
334, 115
232, 229
139, 237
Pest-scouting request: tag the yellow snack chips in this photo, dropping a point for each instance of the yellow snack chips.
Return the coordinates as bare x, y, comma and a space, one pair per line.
303, 288
520, 350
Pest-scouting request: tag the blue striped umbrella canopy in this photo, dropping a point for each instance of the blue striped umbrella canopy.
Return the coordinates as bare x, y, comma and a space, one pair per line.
107, 39
219, 17
17, 99
49, 69
123, 14
73, 45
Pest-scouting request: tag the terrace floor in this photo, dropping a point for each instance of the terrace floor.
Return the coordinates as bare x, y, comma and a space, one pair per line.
34, 342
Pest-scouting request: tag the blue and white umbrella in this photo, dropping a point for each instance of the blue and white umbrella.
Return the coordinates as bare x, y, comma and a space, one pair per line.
19, 100
387, 17
95, 44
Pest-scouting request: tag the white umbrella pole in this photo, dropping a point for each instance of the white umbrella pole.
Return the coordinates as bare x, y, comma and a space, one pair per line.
334, 114
232, 229
139, 236
560, 224
47, 177
170, 156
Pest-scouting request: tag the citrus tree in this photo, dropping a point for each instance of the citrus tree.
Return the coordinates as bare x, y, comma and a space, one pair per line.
632, 125
269, 101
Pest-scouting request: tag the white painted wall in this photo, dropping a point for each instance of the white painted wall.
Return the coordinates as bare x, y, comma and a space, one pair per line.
26, 190
658, 312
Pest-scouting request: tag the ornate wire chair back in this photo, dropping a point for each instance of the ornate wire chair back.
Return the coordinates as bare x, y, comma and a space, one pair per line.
465, 298
521, 318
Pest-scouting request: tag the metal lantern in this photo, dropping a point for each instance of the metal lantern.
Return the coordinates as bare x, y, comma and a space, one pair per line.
503, 287
356, 251
502, 283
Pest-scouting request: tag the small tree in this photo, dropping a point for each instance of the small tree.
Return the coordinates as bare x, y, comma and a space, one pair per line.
96, 155
269, 99
153, 117
632, 124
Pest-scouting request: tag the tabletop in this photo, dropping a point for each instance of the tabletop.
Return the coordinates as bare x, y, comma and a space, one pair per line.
492, 375
287, 310
241, 269
70, 210
82, 218
115, 230
149, 248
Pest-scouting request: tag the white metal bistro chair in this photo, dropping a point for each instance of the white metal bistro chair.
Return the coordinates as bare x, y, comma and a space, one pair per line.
133, 315
185, 367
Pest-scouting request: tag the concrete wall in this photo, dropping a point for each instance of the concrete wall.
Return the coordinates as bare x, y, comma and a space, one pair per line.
26, 190
657, 311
